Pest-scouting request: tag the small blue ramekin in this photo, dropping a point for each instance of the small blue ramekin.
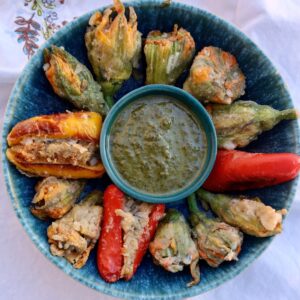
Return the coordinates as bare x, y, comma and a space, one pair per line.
198, 110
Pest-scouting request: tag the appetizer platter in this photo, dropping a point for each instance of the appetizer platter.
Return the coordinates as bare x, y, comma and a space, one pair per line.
150, 150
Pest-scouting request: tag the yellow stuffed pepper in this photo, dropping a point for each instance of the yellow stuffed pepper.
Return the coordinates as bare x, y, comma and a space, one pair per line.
63, 145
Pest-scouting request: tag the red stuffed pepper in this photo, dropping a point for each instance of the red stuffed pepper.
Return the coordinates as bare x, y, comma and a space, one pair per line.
127, 229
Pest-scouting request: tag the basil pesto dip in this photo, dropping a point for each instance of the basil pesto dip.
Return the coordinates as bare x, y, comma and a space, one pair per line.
158, 145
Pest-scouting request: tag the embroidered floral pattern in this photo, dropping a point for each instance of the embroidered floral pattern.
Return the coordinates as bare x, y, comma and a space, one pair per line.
40, 5
28, 33
49, 25
42, 24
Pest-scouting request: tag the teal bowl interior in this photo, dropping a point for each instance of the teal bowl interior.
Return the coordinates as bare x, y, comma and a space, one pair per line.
193, 105
32, 95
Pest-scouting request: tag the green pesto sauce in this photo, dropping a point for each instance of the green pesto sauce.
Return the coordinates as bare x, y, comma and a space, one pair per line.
157, 145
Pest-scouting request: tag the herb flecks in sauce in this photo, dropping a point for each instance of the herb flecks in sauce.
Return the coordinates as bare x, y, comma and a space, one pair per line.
158, 145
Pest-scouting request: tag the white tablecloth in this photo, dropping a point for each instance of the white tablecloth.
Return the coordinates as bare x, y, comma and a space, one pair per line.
26, 274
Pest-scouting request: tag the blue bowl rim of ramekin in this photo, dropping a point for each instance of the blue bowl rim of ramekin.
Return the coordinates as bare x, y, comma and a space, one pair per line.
198, 110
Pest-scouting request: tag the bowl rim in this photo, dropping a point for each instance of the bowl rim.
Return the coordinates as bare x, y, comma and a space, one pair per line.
196, 290
192, 105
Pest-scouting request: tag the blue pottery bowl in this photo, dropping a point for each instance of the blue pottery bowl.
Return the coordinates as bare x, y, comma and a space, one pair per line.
193, 105
32, 95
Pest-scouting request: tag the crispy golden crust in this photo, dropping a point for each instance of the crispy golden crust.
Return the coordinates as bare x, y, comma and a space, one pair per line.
50, 74
63, 66
55, 213
79, 125
215, 76
174, 36
168, 55
55, 197
75, 234
114, 44
58, 170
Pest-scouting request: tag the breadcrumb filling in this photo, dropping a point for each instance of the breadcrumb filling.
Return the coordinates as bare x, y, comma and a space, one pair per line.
135, 217
56, 151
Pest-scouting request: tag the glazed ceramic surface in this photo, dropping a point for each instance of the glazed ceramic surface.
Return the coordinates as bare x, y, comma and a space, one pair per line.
33, 95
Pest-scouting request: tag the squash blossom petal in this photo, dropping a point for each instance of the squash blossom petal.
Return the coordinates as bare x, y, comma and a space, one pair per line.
215, 76
173, 247
55, 197
71, 80
250, 215
168, 55
217, 241
113, 45
241, 122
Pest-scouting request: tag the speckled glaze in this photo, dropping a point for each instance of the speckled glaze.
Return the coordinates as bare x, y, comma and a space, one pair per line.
32, 95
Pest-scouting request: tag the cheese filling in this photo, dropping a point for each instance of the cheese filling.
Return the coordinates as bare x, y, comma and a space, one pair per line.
56, 151
135, 217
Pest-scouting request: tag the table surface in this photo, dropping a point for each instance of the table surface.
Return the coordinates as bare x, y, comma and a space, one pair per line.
26, 274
